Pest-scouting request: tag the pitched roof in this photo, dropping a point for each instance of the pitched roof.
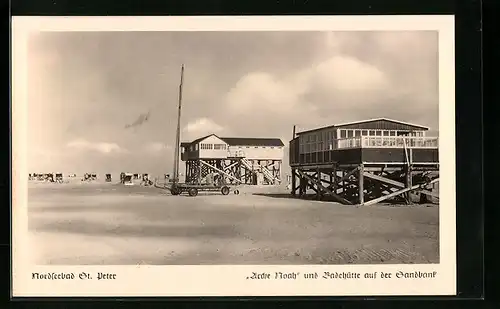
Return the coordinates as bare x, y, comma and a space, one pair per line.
364, 121
196, 141
382, 119
253, 141
241, 141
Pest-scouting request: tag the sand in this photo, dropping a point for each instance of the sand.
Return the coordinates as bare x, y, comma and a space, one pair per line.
112, 224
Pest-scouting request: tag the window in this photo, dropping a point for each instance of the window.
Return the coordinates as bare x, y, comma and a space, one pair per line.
342, 134
256, 147
357, 133
378, 133
393, 133
372, 133
386, 133
219, 146
364, 132
350, 133
248, 146
272, 147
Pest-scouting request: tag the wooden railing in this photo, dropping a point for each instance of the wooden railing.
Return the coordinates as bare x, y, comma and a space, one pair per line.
379, 142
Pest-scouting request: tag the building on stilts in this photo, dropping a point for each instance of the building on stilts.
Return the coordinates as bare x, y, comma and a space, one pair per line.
252, 161
366, 162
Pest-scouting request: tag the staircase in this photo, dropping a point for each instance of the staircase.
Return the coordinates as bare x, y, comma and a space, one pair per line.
265, 171
269, 176
246, 164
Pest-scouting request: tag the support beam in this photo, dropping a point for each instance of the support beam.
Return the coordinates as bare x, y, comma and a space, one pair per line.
409, 183
361, 186
220, 171
230, 165
428, 193
384, 179
318, 181
321, 187
399, 192
347, 175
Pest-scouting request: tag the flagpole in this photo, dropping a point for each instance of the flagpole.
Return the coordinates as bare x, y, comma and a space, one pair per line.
178, 133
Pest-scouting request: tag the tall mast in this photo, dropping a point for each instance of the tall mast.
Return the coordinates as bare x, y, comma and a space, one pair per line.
178, 133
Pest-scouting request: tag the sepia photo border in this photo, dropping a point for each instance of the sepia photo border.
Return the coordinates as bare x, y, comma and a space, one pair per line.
230, 280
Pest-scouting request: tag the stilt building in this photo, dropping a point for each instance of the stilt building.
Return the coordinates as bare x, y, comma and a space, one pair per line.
365, 162
238, 160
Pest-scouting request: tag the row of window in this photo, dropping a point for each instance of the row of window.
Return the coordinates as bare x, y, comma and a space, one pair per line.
272, 147
354, 133
220, 147
347, 133
211, 146
369, 142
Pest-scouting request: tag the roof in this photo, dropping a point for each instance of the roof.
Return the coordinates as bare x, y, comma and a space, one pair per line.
383, 119
366, 121
252, 141
241, 141
196, 141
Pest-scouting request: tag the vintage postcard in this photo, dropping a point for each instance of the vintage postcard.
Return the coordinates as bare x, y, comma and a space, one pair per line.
233, 156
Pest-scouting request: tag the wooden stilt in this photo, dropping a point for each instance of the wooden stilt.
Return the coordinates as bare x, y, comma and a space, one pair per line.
318, 179
321, 187
408, 184
361, 186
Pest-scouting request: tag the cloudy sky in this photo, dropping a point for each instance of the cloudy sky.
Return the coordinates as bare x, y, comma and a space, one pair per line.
90, 92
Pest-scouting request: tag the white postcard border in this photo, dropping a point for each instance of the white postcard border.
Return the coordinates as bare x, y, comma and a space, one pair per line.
231, 280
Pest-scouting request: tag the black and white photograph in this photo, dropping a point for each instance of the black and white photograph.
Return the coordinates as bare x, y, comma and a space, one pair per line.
225, 147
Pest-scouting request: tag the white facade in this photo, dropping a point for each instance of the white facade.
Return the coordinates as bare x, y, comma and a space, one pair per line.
258, 152
212, 147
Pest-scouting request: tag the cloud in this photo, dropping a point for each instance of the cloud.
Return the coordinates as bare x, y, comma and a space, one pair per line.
202, 126
261, 91
261, 84
157, 147
268, 95
348, 74
102, 147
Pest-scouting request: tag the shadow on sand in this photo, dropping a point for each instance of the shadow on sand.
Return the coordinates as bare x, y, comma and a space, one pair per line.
329, 199
308, 197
